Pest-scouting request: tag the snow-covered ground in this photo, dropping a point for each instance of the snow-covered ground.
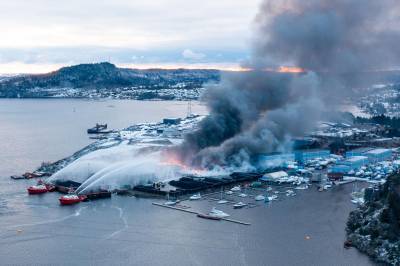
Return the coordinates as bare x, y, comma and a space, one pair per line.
132, 156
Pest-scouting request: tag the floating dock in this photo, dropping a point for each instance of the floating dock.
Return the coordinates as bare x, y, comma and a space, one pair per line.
197, 213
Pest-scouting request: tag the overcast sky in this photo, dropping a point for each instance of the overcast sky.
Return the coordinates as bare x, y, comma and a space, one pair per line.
40, 35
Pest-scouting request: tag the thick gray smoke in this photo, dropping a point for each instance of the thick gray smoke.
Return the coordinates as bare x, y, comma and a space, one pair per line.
260, 111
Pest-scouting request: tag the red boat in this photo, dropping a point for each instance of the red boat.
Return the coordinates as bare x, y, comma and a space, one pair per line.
38, 189
71, 199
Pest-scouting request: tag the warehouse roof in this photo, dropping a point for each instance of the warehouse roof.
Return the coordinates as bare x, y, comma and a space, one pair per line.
356, 159
274, 175
378, 151
360, 150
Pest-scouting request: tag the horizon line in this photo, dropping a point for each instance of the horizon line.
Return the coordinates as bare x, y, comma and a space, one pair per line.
20, 68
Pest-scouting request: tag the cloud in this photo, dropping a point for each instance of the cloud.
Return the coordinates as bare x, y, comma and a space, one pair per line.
44, 59
126, 23
75, 31
191, 55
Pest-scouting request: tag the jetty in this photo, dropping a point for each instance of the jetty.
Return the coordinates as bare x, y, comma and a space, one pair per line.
198, 213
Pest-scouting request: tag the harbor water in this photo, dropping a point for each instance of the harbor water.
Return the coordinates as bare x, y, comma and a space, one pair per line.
308, 229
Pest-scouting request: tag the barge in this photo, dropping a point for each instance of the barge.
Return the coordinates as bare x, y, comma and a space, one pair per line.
66, 186
191, 184
29, 175
98, 195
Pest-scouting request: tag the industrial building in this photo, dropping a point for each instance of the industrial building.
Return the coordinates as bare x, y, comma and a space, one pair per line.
357, 152
356, 162
282, 159
374, 155
337, 172
339, 168
378, 155
275, 159
306, 155
355, 159
352, 163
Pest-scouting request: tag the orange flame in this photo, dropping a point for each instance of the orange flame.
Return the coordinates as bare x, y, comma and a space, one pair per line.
281, 69
289, 69
171, 159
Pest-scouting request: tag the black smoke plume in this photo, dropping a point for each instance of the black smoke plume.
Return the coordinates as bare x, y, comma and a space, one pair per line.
261, 110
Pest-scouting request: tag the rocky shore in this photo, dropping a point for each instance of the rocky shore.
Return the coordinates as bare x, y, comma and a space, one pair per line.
374, 228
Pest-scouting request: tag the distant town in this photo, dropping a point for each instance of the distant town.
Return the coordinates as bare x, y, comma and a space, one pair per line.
105, 80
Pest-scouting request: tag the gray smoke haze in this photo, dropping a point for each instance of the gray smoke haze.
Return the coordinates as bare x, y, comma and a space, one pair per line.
259, 111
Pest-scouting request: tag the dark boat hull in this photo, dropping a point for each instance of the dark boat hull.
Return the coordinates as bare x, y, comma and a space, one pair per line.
209, 217
98, 195
33, 191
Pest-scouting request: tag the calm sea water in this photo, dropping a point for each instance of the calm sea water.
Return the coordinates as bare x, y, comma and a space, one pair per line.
34, 230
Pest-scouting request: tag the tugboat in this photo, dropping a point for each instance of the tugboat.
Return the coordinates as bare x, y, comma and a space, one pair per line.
71, 199
37, 189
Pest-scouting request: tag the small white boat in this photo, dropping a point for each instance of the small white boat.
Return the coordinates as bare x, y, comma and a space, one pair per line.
358, 201
222, 201
218, 213
302, 187
195, 197
229, 192
273, 197
235, 188
171, 202
290, 192
242, 195
239, 205
259, 198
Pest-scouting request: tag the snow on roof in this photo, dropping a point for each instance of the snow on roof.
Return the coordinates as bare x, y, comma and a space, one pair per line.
360, 150
276, 175
356, 158
397, 162
383, 139
378, 151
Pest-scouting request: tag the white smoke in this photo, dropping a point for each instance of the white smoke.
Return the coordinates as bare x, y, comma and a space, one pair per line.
118, 167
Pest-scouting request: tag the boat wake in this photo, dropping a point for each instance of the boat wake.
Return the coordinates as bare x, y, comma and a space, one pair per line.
124, 220
75, 214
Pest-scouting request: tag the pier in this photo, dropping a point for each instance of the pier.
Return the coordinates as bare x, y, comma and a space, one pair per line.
196, 213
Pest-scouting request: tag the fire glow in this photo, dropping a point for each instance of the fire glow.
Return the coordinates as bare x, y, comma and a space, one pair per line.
281, 69
171, 159
288, 69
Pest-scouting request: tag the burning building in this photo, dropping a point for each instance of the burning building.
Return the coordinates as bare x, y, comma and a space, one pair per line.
260, 111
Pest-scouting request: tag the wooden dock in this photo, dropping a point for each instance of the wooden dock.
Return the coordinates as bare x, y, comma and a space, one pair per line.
195, 212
